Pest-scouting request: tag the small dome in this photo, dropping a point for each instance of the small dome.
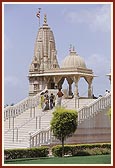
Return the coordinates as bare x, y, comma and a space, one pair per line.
73, 60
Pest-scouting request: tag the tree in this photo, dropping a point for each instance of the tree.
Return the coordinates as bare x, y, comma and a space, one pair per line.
63, 124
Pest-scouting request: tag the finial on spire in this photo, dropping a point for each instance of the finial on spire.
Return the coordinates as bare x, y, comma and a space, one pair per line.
70, 47
73, 48
45, 19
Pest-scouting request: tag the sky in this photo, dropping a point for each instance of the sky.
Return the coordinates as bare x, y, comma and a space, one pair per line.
86, 26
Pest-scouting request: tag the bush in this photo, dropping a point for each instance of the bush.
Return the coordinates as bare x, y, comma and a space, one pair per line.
57, 150
26, 153
82, 150
99, 151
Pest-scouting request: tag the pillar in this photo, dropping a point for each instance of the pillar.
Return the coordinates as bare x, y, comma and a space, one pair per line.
61, 82
69, 80
90, 90
70, 89
89, 81
76, 79
56, 81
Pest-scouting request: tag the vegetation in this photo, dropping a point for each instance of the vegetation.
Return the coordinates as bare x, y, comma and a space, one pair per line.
99, 153
82, 149
63, 124
26, 153
109, 113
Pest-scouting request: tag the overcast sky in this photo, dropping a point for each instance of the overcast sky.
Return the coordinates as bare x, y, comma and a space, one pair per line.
86, 26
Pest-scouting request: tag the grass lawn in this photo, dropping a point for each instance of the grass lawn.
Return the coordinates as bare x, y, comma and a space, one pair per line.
97, 159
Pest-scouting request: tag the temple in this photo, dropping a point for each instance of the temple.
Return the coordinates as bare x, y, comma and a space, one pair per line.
45, 72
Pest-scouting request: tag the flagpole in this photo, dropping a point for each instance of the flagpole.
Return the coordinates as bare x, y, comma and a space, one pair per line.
38, 15
39, 22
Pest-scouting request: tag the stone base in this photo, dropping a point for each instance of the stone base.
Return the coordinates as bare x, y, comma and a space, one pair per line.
96, 129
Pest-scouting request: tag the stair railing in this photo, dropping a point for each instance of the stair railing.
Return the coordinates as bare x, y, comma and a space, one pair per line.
45, 136
17, 109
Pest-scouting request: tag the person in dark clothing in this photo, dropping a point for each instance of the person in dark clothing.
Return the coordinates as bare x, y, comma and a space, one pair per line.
52, 101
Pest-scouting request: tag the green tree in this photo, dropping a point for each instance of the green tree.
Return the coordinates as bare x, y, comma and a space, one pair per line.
109, 113
63, 124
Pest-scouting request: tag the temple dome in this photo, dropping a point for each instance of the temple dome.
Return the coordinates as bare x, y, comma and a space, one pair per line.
73, 60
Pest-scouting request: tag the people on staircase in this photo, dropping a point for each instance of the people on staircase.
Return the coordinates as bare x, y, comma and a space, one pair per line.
42, 100
106, 92
52, 100
46, 101
59, 97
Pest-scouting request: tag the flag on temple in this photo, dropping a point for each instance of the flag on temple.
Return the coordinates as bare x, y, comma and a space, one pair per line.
38, 14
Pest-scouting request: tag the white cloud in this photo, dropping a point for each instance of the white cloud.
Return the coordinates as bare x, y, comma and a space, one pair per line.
97, 19
11, 80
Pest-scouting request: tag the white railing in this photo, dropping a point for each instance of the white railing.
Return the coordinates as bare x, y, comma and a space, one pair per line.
16, 130
45, 136
27, 103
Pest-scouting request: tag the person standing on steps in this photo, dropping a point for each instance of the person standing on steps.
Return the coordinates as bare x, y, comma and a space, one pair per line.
59, 97
52, 100
42, 99
46, 101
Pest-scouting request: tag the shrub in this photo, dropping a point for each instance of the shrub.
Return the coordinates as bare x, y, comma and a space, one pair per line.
82, 150
26, 153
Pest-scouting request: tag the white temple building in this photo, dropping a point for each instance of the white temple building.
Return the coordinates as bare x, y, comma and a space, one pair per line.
45, 71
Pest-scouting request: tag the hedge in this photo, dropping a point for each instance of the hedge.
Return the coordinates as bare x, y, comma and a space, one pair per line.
82, 149
26, 153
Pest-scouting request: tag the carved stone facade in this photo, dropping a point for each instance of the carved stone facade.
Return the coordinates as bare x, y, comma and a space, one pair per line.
45, 72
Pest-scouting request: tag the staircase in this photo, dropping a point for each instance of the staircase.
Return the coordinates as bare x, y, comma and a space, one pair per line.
18, 135
93, 125
25, 125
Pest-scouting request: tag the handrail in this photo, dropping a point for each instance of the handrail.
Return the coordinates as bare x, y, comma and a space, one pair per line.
83, 113
23, 105
28, 103
17, 128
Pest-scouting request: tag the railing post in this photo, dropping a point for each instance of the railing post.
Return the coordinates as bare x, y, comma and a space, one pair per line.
36, 121
75, 101
30, 112
30, 140
9, 122
13, 128
30, 107
78, 101
17, 135
39, 122
39, 138
34, 112
36, 141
